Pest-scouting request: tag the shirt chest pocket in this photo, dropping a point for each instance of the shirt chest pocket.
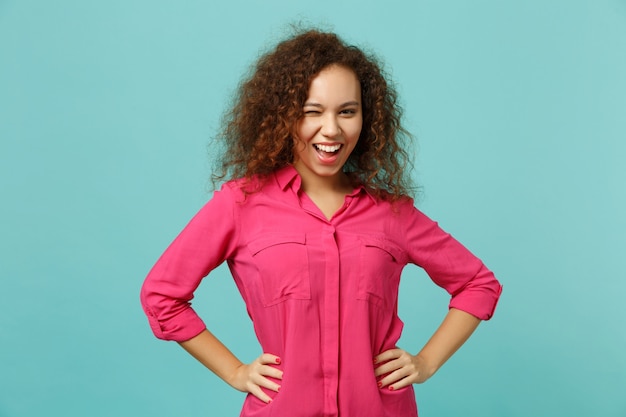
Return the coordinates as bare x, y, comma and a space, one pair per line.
381, 265
283, 264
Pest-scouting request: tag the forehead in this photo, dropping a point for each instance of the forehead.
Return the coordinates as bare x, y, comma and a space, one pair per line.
335, 82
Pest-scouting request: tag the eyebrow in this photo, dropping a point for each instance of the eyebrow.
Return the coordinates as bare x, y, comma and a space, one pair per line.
346, 104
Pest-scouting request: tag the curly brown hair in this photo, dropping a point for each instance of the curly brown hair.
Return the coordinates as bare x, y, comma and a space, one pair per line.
257, 134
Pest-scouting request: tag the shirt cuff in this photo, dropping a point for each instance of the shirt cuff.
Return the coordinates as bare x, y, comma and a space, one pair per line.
184, 326
479, 303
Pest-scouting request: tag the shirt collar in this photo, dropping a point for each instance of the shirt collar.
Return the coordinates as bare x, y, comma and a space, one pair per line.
362, 189
288, 176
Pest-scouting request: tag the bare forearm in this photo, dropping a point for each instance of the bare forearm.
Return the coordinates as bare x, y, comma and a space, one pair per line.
455, 329
252, 377
396, 368
212, 353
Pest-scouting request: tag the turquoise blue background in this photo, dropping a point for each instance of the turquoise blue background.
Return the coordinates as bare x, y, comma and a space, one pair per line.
106, 110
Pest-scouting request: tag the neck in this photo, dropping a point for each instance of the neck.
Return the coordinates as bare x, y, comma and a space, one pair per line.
339, 183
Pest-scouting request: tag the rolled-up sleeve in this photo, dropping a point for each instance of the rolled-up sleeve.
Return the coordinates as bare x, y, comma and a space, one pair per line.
207, 240
472, 286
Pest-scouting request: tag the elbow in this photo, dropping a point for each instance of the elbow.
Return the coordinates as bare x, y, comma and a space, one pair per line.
479, 296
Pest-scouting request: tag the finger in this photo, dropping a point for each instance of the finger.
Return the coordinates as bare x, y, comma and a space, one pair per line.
268, 358
394, 377
261, 381
387, 355
258, 392
268, 370
388, 367
404, 382
385, 368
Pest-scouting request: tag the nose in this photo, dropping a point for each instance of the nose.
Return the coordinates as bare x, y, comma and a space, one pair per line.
330, 126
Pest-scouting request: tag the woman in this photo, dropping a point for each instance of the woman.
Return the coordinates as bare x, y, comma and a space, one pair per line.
316, 226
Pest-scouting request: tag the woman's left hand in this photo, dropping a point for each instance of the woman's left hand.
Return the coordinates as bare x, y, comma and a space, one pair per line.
399, 369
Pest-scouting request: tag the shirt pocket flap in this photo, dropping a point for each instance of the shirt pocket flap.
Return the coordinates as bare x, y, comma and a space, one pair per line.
398, 255
282, 263
270, 239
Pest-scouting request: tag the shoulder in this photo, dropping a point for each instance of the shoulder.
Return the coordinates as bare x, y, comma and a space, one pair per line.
396, 203
242, 189
402, 216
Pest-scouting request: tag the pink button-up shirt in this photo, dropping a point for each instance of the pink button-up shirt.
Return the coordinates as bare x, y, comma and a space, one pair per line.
322, 294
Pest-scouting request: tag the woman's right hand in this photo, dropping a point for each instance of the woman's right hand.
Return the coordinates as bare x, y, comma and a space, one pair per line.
254, 376
212, 353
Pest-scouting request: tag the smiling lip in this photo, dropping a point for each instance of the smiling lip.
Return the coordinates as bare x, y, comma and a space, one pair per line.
327, 153
328, 148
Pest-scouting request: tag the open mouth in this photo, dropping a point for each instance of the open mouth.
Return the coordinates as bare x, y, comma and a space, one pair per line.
327, 150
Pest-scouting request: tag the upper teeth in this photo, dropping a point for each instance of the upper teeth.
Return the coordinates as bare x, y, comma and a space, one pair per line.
327, 148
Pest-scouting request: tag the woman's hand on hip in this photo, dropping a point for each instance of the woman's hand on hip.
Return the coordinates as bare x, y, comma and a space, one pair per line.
396, 368
254, 376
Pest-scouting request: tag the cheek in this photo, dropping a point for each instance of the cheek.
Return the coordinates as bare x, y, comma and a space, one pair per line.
298, 147
356, 124
355, 131
304, 131
300, 138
